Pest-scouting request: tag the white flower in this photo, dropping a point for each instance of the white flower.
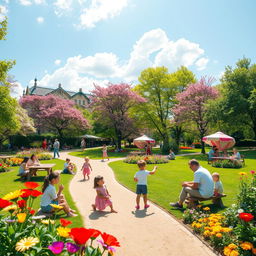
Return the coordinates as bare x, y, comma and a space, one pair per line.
233, 205
240, 210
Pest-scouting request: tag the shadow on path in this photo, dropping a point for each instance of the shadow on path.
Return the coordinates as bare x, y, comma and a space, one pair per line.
97, 214
141, 213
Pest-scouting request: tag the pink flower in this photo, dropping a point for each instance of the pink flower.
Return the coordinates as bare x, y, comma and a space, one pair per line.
56, 247
252, 172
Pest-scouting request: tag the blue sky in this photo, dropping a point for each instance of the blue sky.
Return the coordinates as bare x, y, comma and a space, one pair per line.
81, 42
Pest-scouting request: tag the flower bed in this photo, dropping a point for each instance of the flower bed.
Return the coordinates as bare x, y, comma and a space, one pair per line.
14, 161
233, 232
41, 155
154, 159
185, 147
4, 167
25, 234
227, 164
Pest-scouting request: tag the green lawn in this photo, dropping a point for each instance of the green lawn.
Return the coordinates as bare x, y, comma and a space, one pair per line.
165, 185
96, 153
10, 182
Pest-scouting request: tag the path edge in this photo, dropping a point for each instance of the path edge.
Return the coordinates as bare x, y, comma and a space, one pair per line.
171, 215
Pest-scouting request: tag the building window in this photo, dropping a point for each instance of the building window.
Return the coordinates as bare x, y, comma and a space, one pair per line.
84, 102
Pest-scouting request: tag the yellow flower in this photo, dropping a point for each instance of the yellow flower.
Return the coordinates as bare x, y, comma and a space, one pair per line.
199, 206
55, 206
13, 195
227, 251
207, 233
198, 225
242, 173
219, 235
226, 230
206, 209
246, 246
232, 246
234, 253
47, 222
63, 231
21, 217
10, 208
26, 243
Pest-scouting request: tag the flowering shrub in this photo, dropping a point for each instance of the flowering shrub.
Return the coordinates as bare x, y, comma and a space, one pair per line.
233, 232
21, 233
154, 159
227, 164
185, 147
197, 144
4, 167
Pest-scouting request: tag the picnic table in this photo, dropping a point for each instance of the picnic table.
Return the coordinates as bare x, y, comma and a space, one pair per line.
41, 167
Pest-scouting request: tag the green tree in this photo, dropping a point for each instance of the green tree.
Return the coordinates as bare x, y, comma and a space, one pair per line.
159, 88
236, 108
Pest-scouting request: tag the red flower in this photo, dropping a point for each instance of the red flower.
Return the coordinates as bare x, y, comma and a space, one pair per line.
26, 193
95, 233
4, 203
65, 223
109, 240
246, 216
80, 235
21, 204
32, 212
31, 185
36, 193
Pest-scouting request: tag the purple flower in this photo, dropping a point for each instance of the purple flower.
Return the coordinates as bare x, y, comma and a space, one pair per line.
107, 247
72, 248
56, 247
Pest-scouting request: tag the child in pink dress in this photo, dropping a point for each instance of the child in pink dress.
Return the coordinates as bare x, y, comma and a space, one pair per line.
86, 168
103, 197
104, 152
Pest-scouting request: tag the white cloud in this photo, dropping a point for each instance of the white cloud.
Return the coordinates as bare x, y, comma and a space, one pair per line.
62, 6
154, 48
57, 62
3, 12
101, 10
40, 20
202, 63
39, 2
25, 2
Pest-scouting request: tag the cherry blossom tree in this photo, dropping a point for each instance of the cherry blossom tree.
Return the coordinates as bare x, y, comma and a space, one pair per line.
191, 106
111, 105
54, 113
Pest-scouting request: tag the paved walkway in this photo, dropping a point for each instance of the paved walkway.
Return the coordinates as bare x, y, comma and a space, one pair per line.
141, 233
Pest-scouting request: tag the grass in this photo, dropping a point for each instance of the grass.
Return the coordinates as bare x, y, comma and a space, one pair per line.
96, 153
10, 182
165, 185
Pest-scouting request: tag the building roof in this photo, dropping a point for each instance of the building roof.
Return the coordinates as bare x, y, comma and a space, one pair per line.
43, 91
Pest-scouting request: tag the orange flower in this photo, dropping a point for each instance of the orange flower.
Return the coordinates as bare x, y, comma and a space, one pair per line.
31, 185
65, 223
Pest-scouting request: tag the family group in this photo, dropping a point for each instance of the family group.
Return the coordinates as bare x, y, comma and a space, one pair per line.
215, 153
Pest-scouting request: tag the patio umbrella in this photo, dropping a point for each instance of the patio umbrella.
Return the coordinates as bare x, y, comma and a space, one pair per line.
142, 141
220, 140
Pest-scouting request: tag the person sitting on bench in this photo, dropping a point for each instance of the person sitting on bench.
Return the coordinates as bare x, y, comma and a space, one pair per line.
201, 187
218, 187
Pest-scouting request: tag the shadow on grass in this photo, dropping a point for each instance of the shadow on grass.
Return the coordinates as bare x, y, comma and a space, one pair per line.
141, 213
95, 215
34, 178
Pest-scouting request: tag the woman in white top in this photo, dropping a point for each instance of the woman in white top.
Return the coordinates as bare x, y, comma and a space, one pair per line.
51, 197
33, 160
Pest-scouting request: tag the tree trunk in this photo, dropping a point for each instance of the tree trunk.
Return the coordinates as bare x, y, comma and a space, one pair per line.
203, 145
119, 142
166, 145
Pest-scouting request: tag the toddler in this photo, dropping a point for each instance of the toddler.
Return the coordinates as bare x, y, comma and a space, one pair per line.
86, 168
102, 199
141, 179
104, 152
218, 187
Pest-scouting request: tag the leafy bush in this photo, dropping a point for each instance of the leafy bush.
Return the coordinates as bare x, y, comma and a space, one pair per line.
246, 143
227, 164
44, 156
154, 159
21, 233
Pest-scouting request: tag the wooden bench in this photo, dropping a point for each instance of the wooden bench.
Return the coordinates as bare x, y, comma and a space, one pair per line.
192, 202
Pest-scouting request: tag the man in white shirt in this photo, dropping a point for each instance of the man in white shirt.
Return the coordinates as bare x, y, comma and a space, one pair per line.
202, 186
56, 148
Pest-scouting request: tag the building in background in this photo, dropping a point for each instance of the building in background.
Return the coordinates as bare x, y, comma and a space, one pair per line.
80, 98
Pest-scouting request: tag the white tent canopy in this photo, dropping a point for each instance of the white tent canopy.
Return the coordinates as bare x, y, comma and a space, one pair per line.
142, 141
220, 140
